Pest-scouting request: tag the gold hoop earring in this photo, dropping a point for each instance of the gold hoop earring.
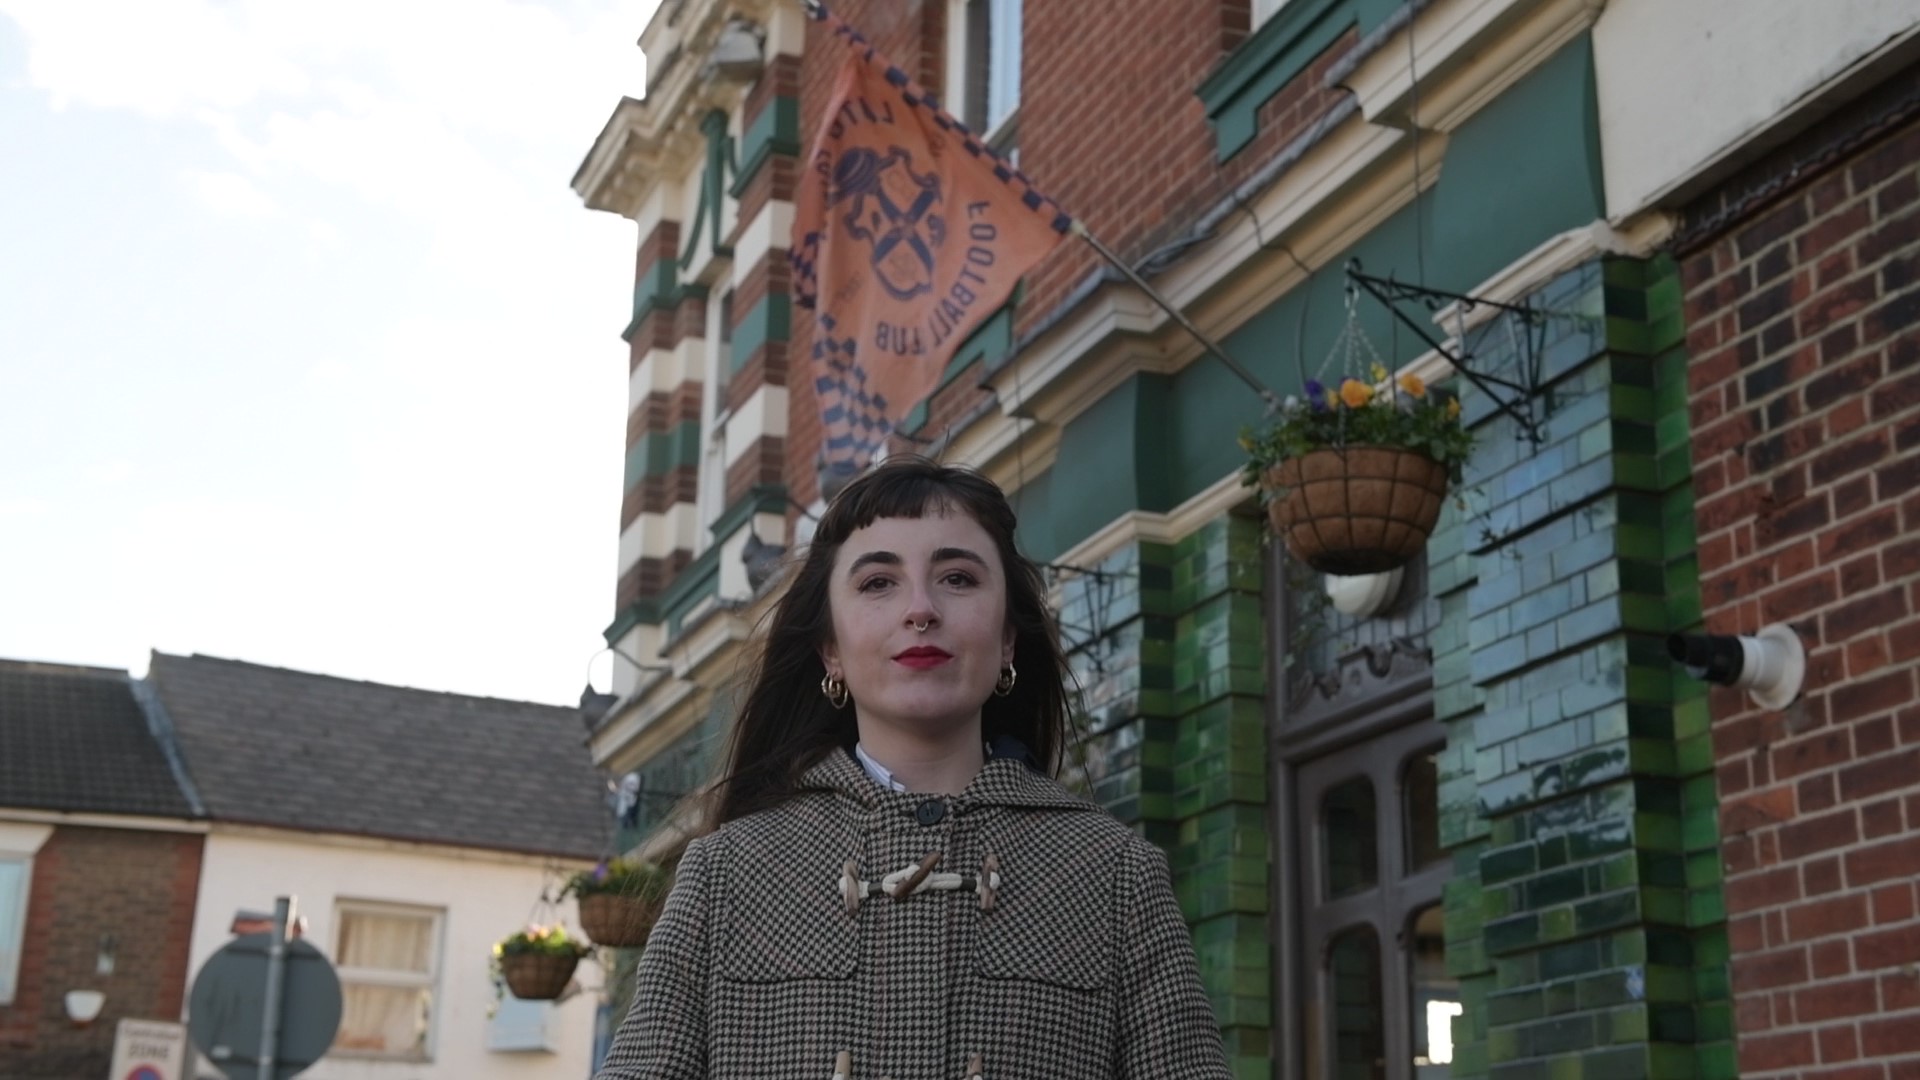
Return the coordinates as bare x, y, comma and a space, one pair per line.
835, 689
1007, 678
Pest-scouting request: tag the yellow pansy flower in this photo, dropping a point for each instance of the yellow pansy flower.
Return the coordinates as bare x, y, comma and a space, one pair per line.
1355, 393
1453, 409
1413, 386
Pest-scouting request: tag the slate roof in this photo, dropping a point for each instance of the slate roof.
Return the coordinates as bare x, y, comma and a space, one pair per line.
75, 739
270, 746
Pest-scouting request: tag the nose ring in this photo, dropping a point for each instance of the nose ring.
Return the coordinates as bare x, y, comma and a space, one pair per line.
921, 627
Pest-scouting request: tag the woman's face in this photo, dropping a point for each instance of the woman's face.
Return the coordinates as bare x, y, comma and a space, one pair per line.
941, 570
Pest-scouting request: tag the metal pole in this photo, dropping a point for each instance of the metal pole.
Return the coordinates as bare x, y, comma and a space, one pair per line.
1272, 400
276, 979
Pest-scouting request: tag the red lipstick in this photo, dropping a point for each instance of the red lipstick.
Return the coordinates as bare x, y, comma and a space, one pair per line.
923, 657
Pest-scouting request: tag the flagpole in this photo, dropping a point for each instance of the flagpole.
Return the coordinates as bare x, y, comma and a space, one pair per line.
1273, 401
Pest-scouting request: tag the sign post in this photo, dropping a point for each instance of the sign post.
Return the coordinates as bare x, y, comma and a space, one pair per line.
264, 1007
149, 1050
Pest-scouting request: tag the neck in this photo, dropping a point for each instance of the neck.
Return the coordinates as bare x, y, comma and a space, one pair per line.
942, 766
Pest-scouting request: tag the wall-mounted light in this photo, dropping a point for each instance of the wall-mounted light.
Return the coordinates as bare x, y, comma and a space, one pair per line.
103, 960
83, 1006
738, 56
1364, 595
1769, 666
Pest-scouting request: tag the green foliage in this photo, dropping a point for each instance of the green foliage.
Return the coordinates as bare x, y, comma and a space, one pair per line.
1404, 415
542, 940
632, 878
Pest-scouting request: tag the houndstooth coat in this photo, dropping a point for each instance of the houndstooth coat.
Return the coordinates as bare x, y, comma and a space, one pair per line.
770, 961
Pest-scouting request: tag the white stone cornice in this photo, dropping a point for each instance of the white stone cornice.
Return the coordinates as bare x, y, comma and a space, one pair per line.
646, 142
1467, 52
1212, 503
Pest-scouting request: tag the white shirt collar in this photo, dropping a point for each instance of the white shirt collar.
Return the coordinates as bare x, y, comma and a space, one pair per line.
880, 773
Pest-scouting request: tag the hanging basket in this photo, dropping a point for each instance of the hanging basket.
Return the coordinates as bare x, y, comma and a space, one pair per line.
538, 976
1358, 509
620, 921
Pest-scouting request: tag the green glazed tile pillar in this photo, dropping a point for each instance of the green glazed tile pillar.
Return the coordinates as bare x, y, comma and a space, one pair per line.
1168, 643
1584, 918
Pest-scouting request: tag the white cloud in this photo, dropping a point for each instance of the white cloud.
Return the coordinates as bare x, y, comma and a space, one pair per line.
442, 510
231, 194
159, 57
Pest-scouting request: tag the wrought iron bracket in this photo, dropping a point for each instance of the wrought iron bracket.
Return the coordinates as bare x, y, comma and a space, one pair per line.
1520, 400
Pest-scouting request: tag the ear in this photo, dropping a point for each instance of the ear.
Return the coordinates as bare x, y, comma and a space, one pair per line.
1007, 639
830, 656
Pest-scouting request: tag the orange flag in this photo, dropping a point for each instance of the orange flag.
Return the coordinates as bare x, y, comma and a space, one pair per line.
908, 234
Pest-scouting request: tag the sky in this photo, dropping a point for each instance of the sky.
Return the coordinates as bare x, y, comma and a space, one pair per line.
309, 355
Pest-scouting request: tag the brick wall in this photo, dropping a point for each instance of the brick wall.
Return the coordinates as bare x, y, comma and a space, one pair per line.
138, 887
1804, 324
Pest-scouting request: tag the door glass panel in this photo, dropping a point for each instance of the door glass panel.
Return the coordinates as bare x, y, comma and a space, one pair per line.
1359, 1033
1350, 842
1436, 998
1420, 799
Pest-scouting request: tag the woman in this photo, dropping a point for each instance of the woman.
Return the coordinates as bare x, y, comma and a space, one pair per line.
895, 886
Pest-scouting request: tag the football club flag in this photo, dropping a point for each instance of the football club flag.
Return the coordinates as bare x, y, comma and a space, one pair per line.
908, 234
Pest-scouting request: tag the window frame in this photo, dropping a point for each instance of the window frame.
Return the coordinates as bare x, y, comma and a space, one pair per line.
20, 844
13, 930
393, 979
1264, 10
1001, 133
710, 484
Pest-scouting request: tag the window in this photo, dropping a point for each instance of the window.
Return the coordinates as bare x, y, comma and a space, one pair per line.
1379, 1002
13, 920
711, 493
18, 845
1265, 9
389, 962
983, 64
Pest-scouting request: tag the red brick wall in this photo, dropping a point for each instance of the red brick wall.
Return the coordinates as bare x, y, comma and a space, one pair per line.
139, 887
1804, 324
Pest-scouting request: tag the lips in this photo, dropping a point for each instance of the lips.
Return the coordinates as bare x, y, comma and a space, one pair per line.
923, 656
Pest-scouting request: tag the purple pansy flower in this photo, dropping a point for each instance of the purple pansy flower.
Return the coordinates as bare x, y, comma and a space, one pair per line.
1316, 395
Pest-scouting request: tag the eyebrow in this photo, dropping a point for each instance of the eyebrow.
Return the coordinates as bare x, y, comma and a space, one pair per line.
940, 555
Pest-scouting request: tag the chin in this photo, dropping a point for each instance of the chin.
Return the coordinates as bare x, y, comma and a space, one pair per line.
927, 713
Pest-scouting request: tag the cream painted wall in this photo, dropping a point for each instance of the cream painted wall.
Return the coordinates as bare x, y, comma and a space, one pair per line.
1682, 83
485, 897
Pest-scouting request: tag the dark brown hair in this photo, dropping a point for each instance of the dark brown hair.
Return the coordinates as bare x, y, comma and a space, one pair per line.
786, 725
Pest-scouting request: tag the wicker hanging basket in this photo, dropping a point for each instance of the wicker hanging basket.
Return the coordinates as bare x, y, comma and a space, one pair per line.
1357, 509
538, 976
619, 921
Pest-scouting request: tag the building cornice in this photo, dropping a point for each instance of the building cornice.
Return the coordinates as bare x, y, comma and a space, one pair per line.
102, 821
351, 842
647, 142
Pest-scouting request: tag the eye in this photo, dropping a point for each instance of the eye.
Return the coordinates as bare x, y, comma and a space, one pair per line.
874, 584
959, 579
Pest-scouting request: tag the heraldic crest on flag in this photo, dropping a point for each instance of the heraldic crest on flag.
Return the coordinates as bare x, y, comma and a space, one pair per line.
910, 232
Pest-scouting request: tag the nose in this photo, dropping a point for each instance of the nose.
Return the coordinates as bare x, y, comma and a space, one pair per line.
920, 610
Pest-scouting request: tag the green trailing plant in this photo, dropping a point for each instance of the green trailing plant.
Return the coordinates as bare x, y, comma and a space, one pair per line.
634, 879
539, 940
1400, 414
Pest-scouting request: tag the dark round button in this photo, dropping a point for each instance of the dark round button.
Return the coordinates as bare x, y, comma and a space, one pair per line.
930, 812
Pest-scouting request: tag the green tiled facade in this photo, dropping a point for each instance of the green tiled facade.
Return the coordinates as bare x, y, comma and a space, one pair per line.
1584, 918
1168, 644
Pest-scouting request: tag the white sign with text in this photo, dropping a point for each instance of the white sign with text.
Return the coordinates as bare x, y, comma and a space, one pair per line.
149, 1050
